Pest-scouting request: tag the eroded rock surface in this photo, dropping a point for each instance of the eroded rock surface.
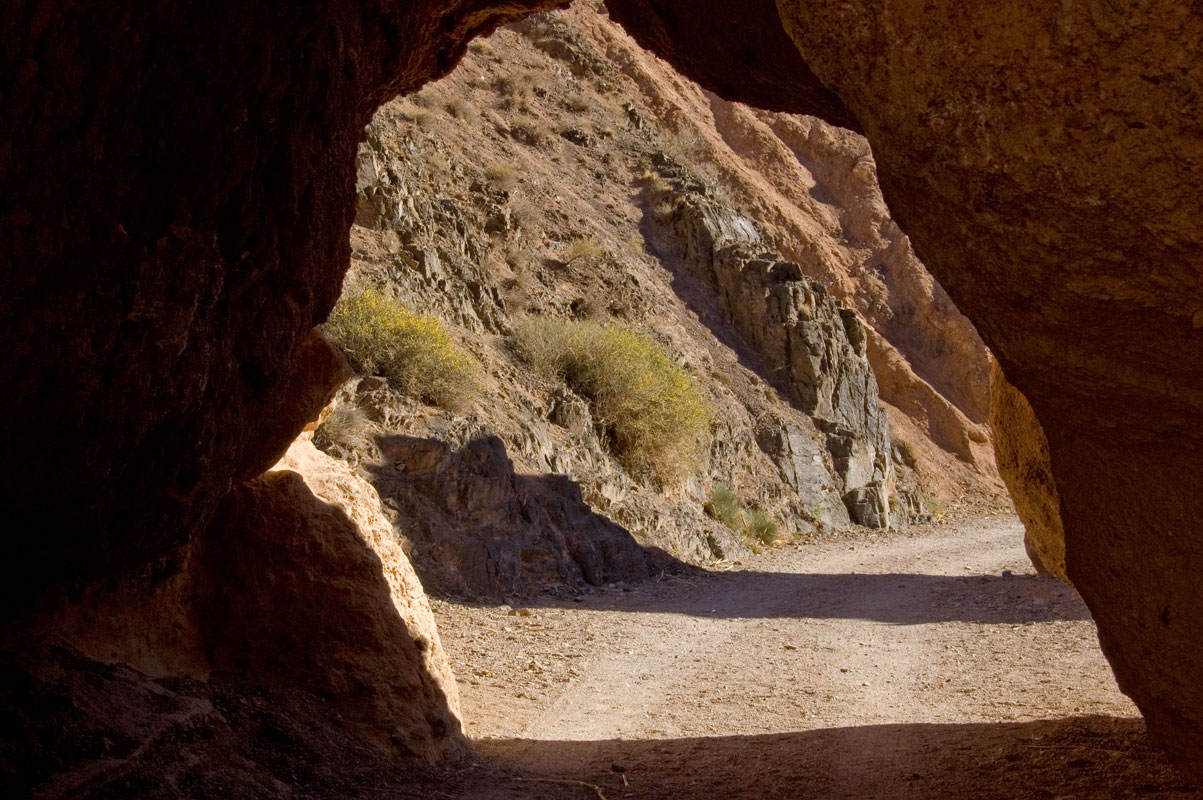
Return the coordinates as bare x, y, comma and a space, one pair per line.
302, 585
175, 220
178, 187
1023, 462
298, 589
817, 347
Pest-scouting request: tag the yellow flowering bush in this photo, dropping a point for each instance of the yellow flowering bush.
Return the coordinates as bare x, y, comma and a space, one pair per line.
413, 351
657, 415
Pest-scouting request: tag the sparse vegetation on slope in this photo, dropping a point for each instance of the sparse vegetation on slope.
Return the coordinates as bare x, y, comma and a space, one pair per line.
748, 521
413, 351
658, 416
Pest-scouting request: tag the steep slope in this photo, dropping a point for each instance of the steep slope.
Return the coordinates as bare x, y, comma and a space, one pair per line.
487, 199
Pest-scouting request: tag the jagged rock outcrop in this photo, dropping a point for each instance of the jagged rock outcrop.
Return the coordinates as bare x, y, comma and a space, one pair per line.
473, 526
477, 527
817, 348
1023, 462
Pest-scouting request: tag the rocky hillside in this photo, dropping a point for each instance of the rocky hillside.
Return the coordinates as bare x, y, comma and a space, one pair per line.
562, 172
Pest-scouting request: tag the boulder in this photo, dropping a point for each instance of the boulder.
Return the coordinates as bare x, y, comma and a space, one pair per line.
869, 506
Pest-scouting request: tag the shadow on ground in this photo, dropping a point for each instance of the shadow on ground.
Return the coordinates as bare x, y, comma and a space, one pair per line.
900, 599
1103, 758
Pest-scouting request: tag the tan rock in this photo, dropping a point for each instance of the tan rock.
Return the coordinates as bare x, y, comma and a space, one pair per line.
1021, 450
302, 584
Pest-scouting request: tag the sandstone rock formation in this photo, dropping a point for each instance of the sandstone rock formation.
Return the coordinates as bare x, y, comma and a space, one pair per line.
469, 194
175, 221
1023, 462
1064, 149
302, 585
298, 586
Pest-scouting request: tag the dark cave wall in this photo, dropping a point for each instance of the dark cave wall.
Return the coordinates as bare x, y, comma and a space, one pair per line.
177, 184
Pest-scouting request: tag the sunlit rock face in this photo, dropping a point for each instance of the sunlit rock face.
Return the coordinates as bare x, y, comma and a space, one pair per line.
1023, 462
1045, 160
177, 186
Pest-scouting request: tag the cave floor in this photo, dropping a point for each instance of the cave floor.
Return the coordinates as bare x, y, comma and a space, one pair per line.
927, 663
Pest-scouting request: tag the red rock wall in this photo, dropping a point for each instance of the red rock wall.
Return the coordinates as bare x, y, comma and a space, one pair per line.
177, 190
1045, 160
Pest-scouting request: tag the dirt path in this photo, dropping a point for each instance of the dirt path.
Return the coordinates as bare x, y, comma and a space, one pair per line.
934, 664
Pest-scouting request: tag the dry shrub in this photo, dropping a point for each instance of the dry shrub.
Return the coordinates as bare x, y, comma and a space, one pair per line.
581, 248
460, 108
655, 412
411, 350
518, 85
532, 133
503, 177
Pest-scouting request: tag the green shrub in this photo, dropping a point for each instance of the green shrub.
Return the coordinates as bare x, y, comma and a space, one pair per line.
761, 527
656, 413
749, 522
411, 350
726, 507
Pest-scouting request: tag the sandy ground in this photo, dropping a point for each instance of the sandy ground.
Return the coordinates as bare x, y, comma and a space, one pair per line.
932, 663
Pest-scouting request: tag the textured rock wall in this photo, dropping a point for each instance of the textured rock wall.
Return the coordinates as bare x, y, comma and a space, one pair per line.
177, 184
1023, 462
298, 585
301, 584
817, 346
475, 527
1044, 160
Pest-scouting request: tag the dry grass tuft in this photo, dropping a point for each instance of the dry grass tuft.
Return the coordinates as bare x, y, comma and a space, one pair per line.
748, 521
581, 248
502, 177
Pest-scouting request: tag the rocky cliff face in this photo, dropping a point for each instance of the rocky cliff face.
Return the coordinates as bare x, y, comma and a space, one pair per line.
1043, 160
445, 224
1065, 145
817, 347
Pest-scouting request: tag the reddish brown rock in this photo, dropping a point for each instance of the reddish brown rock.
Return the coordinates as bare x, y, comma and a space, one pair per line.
301, 584
176, 189
298, 585
1045, 160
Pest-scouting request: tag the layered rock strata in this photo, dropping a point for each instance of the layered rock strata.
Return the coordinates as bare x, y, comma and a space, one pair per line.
815, 346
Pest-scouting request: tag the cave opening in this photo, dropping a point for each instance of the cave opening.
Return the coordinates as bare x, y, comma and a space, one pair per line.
608, 632
790, 566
